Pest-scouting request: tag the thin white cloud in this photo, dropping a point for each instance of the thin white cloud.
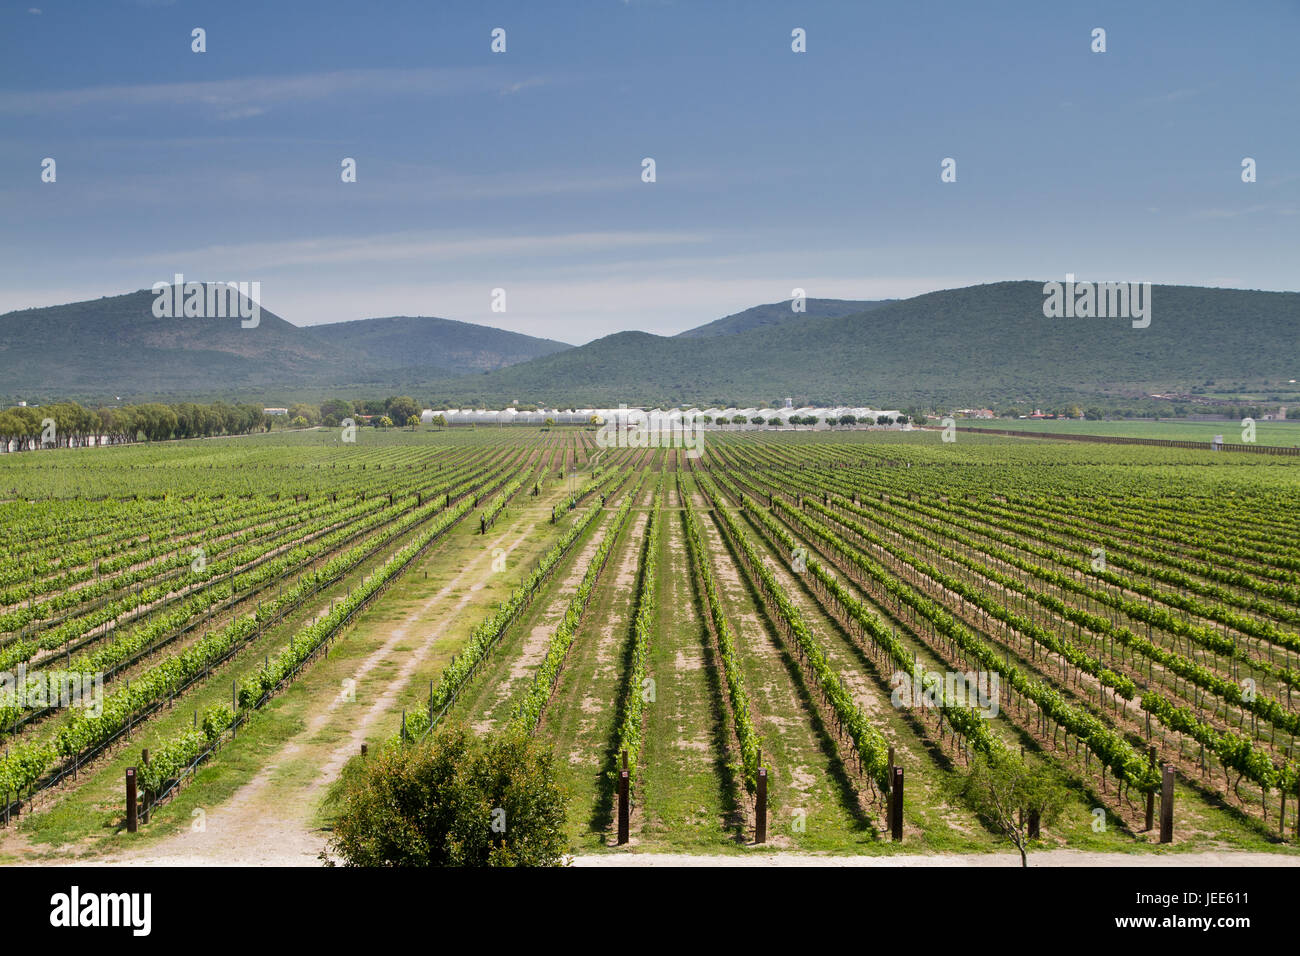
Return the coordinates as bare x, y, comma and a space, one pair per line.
243, 112
406, 186
512, 88
260, 92
1170, 96
399, 247
1255, 209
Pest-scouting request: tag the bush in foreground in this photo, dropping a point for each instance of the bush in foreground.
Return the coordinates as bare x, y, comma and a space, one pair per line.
454, 800
1005, 792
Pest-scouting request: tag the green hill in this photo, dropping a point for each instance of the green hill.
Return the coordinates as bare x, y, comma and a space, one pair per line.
115, 346
982, 344
414, 348
779, 313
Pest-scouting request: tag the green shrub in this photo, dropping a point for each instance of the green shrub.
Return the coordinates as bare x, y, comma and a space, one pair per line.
454, 800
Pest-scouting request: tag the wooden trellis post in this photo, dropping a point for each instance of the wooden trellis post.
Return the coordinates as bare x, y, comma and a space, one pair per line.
132, 819
896, 805
623, 814
1167, 804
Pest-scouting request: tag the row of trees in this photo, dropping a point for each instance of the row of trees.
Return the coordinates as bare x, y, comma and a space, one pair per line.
68, 425
1059, 411
398, 409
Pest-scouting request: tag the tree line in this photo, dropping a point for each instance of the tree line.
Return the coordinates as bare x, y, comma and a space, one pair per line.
69, 425
398, 409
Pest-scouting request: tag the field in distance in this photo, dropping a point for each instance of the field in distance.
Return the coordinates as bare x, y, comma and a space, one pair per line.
1266, 432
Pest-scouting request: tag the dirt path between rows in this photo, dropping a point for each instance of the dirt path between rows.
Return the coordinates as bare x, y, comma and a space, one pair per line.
538, 640
268, 825
614, 631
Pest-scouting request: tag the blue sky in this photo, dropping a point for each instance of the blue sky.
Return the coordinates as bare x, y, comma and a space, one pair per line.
522, 170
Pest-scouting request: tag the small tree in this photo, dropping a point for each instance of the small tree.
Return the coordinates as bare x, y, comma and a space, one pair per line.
758, 419
401, 407
413, 422
302, 410
440, 421
334, 411
848, 419
454, 799
1006, 793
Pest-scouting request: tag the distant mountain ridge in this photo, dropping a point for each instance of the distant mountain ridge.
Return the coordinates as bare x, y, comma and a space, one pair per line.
982, 343
406, 342
101, 348
979, 344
